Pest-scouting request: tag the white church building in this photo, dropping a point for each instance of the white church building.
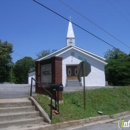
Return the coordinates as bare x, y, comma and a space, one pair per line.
72, 56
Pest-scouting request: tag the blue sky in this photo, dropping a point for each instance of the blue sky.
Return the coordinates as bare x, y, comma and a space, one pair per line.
32, 28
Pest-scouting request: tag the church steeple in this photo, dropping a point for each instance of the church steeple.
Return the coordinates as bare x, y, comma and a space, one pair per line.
70, 39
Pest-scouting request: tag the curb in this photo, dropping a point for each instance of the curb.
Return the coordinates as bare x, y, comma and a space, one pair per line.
90, 120
98, 118
72, 123
77, 122
40, 109
121, 114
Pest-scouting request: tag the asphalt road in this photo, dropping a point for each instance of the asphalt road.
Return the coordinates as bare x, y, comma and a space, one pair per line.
23, 90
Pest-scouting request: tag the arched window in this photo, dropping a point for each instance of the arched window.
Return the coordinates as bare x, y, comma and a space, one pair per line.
76, 71
69, 72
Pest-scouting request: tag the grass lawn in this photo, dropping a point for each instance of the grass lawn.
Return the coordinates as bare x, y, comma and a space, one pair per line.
107, 100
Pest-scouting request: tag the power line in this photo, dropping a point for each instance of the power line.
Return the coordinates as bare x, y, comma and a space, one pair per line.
76, 25
93, 23
118, 10
122, 6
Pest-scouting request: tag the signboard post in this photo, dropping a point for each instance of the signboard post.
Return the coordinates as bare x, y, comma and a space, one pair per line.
84, 68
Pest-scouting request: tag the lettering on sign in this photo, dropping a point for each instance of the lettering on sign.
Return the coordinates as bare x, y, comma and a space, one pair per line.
46, 74
81, 58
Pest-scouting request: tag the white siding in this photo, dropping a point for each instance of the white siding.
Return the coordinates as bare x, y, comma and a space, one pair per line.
97, 74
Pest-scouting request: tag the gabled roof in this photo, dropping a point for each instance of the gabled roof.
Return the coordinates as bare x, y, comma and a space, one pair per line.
54, 53
67, 48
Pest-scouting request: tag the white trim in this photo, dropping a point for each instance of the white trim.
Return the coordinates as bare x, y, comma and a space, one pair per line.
64, 51
77, 49
90, 52
91, 56
51, 53
82, 53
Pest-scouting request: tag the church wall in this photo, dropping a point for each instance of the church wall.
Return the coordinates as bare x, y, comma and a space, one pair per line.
67, 60
97, 74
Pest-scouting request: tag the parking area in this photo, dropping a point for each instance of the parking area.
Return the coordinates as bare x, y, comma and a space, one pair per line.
15, 90
23, 90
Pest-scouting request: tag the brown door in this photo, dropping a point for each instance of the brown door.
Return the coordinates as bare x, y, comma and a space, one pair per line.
72, 72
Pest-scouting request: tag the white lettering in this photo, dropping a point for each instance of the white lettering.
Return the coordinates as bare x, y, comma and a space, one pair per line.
126, 124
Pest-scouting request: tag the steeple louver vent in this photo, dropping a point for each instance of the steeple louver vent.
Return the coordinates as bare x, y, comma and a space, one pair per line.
72, 53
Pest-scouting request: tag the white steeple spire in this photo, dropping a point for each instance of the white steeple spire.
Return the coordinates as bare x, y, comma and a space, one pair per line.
70, 40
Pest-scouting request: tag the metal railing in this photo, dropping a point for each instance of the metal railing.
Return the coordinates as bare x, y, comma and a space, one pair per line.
32, 79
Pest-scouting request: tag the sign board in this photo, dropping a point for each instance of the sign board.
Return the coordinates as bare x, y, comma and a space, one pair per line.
87, 68
84, 68
46, 73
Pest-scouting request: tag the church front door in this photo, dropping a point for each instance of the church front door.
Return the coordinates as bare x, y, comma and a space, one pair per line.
71, 71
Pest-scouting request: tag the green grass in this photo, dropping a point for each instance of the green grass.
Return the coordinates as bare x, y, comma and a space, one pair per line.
107, 100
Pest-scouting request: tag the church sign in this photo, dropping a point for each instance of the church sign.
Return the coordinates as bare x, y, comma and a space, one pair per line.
81, 58
46, 75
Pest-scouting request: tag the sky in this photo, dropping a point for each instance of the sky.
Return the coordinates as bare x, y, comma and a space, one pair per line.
32, 28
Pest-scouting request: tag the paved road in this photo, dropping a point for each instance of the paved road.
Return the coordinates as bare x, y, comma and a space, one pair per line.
102, 126
23, 90
15, 90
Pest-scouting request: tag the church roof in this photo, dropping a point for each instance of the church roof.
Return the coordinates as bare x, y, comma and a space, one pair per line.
70, 33
67, 48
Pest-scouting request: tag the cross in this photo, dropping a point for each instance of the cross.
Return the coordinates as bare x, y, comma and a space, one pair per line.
70, 18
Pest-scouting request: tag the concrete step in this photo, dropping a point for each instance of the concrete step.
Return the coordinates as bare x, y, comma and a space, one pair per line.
14, 102
16, 109
15, 116
21, 123
73, 83
18, 113
33, 127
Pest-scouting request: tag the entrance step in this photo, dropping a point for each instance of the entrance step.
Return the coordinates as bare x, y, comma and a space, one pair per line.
73, 83
18, 113
16, 109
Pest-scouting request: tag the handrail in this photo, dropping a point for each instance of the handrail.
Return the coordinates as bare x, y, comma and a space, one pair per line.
45, 91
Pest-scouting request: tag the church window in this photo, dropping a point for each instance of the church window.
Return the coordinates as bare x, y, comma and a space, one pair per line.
69, 72
76, 71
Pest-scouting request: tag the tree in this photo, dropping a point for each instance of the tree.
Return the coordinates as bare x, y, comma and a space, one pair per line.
21, 69
118, 68
5, 60
113, 54
44, 53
